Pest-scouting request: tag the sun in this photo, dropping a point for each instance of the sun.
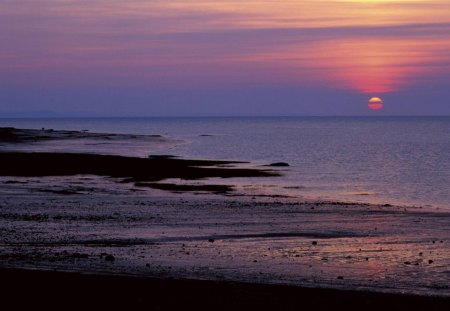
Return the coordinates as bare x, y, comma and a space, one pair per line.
375, 103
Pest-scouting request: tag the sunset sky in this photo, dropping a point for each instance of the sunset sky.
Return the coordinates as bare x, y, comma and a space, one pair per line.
192, 57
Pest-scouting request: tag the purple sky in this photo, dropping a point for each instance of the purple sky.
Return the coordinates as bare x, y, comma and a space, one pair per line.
127, 58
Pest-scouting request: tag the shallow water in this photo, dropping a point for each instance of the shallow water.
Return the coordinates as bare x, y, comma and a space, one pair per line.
383, 160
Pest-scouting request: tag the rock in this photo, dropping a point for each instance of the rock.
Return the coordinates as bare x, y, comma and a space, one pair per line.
7, 133
279, 164
340, 277
78, 255
407, 262
211, 240
430, 261
314, 243
110, 258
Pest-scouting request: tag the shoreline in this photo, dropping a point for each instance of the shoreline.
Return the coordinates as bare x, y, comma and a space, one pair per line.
115, 215
170, 294
210, 237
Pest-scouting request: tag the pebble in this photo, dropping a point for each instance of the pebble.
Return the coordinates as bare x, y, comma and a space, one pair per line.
110, 258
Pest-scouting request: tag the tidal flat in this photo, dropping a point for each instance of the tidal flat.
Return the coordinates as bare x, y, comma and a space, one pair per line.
97, 224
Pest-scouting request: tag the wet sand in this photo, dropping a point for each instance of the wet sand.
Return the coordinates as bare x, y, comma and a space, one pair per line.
263, 251
118, 229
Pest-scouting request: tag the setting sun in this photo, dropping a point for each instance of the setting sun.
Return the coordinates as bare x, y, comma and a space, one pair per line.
375, 103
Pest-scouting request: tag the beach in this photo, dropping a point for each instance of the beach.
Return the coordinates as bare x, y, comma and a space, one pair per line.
104, 227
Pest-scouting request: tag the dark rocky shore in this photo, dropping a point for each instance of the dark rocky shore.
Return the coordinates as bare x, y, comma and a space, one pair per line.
58, 289
129, 168
21, 136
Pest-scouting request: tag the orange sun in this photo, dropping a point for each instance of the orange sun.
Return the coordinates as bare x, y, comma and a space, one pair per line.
375, 103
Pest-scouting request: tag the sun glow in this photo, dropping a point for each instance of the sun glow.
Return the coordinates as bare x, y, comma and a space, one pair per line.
375, 103
361, 64
369, 47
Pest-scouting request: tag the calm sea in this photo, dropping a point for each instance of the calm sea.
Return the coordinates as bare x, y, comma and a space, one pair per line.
394, 160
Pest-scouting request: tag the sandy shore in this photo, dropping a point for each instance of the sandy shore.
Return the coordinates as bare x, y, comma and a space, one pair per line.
261, 250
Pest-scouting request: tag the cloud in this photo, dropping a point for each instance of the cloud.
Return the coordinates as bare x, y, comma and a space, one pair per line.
361, 47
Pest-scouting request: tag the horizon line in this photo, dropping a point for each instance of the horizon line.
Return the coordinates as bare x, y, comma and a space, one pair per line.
210, 116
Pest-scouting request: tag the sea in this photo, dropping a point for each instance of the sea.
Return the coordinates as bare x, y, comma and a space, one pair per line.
378, 160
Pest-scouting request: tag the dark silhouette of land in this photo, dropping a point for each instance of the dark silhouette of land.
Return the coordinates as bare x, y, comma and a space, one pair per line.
128, 168
22, 288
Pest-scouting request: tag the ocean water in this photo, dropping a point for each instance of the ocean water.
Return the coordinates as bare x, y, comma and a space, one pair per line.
383, 160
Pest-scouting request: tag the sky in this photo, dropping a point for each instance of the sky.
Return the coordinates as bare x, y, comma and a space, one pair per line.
237, 57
